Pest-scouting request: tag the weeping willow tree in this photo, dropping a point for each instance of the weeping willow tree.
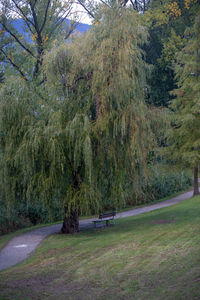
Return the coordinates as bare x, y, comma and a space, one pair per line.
102, 77
87, 147
40, 159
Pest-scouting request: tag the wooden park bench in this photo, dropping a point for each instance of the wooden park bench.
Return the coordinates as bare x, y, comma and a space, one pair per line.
105, 218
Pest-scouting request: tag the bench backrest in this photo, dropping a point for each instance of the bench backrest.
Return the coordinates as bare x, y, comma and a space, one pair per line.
107, 215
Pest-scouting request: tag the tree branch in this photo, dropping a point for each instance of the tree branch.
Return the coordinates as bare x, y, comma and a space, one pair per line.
14, 65
17, 40
23, 14
134, 4
26, 20
69, 33
45, 16
60, 21
36, 25
34, 3
144, 5
89, 12
124, 3
62, 18
104, 3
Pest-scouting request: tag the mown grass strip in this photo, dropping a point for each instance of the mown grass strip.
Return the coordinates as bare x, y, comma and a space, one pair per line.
150, 256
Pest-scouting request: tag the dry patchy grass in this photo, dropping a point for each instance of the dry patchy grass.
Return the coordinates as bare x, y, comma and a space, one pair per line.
151, 256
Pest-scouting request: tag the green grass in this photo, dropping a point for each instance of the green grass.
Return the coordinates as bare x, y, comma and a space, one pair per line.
150, 256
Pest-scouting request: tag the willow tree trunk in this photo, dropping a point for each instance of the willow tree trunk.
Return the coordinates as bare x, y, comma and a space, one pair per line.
196, 182
70, 223
71, 220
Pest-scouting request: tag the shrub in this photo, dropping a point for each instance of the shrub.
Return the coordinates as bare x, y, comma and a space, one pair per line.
162, 183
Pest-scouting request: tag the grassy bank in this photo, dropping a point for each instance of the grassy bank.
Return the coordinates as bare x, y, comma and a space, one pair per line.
151, 256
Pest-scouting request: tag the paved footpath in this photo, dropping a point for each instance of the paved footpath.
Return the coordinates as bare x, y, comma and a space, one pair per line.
21, 247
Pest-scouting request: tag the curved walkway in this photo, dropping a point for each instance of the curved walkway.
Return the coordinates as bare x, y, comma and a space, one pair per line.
21, 247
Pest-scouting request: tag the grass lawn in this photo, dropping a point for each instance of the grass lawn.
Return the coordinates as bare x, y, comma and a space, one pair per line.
151, 256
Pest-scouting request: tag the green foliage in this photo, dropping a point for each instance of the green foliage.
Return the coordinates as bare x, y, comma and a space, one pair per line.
87, 146
174, 44
11, 222
85, 140
160, 121
167, 22
184, 135
162, 183
25, 215
107, 84
42, 22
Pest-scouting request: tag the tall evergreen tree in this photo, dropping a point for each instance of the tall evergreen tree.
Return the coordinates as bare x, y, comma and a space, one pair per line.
167, 21
185, 137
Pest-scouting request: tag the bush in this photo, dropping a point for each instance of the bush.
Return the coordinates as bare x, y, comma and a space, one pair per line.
162, 183
11, 221
22, 216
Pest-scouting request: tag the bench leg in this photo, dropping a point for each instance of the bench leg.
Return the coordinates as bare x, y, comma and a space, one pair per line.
107, 223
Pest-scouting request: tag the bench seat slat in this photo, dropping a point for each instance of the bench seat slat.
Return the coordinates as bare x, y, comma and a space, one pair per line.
107, 215
105, 218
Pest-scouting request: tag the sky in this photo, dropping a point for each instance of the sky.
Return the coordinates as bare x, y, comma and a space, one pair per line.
84, 18
83, 15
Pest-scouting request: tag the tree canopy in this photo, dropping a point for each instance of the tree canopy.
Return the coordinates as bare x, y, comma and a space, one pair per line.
167, 22
88, 145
